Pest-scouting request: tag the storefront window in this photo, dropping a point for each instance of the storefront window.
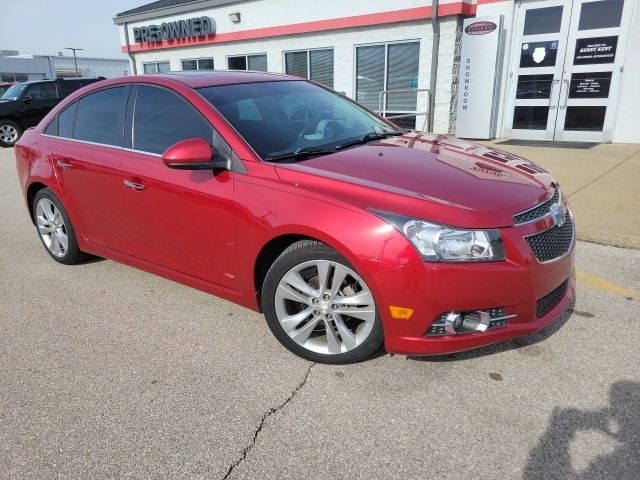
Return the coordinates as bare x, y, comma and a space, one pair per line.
391, 67
316, 65
197, 64
257, 63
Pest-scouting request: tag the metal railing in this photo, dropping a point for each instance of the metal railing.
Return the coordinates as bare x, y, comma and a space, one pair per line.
382, 109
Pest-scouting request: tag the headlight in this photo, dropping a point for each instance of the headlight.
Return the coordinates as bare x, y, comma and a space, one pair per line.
438, 243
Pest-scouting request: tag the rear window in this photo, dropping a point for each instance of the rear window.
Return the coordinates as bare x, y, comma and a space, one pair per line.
67, 87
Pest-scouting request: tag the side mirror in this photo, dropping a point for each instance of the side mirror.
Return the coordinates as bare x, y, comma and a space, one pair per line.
27, 98
193, 154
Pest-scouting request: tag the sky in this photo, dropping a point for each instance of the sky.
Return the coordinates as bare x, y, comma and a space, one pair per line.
44, 27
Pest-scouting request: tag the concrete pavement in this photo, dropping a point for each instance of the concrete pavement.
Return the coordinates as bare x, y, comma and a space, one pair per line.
602, 184
109, 372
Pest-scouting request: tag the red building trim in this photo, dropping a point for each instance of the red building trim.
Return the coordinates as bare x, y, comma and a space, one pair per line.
418, 13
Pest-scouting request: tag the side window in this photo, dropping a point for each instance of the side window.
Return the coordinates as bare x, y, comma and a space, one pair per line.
62, 125
161, 119
98, 117
66, 119
43, 91
52, 128
67, 87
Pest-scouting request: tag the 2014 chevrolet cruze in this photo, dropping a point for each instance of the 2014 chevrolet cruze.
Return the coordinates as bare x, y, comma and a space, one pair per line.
287, 198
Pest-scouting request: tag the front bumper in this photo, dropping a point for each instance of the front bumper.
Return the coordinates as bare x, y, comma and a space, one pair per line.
431, 289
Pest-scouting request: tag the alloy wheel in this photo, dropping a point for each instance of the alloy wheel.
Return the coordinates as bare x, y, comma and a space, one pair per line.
325, 307
8, 134
51, 227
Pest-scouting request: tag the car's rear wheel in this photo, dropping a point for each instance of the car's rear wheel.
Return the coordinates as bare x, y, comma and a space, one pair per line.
55, 229
10, 132
318, 306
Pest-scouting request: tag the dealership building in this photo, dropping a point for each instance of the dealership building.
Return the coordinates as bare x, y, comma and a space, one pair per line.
550, 70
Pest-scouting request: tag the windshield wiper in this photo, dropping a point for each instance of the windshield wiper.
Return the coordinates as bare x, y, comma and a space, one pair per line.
298, 154
367, 137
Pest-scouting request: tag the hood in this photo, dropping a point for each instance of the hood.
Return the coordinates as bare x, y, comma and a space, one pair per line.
432, 177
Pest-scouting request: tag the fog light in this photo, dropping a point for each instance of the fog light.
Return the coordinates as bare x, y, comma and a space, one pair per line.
453, 322
475, 321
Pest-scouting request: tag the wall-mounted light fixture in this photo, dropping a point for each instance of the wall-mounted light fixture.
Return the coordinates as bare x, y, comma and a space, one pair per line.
235, 17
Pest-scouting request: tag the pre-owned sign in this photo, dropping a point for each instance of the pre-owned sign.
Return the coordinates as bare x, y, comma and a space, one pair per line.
179, 29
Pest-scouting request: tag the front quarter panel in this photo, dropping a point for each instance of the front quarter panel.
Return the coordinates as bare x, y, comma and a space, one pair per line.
269, 208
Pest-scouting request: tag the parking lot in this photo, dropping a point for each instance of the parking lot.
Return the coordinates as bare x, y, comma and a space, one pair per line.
108, 371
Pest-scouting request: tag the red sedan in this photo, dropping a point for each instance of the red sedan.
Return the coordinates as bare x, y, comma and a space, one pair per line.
287, 198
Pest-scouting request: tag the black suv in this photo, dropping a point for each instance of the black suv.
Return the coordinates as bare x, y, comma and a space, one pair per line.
24, 104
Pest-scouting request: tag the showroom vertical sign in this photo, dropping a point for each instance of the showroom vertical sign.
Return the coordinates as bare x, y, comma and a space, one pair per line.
479, 77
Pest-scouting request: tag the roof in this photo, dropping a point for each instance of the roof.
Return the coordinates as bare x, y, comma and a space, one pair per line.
161, 8
198, 79
154, 6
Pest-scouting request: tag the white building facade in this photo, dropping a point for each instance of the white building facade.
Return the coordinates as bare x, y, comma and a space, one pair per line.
407, 48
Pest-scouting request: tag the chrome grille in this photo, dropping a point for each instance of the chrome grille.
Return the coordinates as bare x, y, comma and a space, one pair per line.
550, 300
552, 243
537, 211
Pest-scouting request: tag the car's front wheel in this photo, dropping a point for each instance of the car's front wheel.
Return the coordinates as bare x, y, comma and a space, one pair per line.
55, 229
9, 133
318, 306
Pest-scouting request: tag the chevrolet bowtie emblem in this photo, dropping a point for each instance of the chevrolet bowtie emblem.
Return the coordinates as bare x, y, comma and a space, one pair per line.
558, 213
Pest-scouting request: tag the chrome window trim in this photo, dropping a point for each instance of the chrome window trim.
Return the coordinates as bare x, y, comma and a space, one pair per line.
133, 150
86, 142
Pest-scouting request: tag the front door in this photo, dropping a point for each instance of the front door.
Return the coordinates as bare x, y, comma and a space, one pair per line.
183, 220
567, 68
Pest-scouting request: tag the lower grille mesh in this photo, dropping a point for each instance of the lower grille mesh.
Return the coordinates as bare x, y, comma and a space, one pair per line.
546, 303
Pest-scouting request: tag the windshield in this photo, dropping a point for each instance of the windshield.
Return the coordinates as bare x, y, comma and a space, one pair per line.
282, 117
14, 91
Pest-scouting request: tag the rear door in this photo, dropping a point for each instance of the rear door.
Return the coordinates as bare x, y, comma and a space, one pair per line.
182, 220
85, 148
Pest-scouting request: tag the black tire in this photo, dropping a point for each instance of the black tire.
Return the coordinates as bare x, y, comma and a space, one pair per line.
72, 253
296, 254
7, 126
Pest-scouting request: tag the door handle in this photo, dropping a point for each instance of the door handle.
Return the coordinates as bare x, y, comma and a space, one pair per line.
64, 165
553, 84
135, 185
566, 97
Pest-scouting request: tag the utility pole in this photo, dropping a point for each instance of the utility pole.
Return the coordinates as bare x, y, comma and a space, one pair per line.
75, 62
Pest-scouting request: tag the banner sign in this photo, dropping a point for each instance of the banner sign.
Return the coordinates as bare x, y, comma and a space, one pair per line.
478, 79
594, 50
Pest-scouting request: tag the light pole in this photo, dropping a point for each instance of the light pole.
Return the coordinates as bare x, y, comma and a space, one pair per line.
75, 62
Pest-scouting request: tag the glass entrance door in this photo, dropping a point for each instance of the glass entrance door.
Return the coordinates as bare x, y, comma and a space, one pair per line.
567, 69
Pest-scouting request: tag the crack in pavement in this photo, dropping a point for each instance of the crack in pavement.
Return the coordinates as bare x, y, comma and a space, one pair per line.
271, 411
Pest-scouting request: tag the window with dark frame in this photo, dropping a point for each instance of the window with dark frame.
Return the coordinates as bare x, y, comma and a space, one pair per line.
316, 65
156, 67
197, 64
257, 63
